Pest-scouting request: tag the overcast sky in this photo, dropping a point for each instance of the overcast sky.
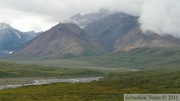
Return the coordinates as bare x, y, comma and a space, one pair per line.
161, 16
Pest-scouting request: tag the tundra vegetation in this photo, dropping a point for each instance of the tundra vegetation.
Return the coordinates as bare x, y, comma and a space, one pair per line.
110, 88
156, 72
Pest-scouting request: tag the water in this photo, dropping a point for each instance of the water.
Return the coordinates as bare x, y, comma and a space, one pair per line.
20, 82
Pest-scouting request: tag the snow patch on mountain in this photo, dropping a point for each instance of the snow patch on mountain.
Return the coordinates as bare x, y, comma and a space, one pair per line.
17, 34
4, 26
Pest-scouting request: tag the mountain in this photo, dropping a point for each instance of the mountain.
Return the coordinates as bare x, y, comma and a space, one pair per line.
85, 19
62, 40
31, 34
120, 31
135, 38
11, 39
102, 31
109, 29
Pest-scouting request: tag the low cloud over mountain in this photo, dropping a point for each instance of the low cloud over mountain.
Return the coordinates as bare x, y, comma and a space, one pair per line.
160, 16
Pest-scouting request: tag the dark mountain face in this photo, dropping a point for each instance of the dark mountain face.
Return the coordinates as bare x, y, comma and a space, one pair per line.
121, 31
11, 39
61, 40
110, 28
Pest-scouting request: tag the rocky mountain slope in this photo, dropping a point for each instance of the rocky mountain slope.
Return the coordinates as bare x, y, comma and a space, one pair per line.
136, 39
62, 40
120, 31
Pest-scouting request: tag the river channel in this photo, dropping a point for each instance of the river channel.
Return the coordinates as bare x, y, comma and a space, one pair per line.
7, 83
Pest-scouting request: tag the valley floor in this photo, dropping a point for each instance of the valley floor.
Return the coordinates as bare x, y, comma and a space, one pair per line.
110, 88
122, 74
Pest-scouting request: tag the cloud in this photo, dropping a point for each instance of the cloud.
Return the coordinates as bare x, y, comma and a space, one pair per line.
161, 16
23, 14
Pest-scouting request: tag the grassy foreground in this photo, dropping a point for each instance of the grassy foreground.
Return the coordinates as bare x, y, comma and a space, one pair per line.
13, 70
111, 88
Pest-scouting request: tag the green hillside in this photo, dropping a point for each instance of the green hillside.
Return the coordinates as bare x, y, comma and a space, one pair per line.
12, 70
91, 50
141, 58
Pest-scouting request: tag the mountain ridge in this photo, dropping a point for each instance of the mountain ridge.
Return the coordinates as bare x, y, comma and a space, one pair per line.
11, 39
62, 40
118, 31
111, 33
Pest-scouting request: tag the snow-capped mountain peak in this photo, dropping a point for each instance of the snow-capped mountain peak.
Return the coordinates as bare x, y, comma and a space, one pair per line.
8, 29
11, 39
5, 26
